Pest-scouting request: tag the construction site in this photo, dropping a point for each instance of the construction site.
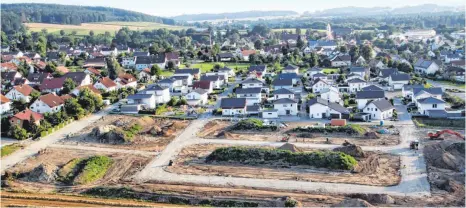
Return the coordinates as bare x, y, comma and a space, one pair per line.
142, 161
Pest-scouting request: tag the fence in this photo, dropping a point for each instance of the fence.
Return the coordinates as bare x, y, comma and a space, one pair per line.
55, 128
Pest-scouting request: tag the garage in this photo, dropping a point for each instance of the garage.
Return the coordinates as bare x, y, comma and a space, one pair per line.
335, 116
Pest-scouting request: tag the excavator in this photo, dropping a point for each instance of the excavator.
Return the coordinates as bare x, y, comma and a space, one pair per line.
436, 136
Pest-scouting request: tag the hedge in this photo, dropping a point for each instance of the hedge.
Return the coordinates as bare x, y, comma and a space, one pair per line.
319, 159
351, 129
252, 124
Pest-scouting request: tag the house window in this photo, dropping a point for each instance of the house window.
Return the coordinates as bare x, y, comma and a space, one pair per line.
434, 105
375, 109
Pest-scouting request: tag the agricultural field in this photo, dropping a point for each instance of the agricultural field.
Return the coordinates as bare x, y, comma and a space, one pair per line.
99, 27
296, 132
128, 132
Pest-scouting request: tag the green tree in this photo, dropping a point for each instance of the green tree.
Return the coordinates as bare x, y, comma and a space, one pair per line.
367, 52
354, 53
18, 133
62, 32
73, 108
343, 49
155, 70
68, 85
91, 33
50, 67
258, 45
300, 42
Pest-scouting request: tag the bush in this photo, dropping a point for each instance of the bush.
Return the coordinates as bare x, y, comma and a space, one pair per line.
319, 159
69, 171
351, 129
131, 132
217, 111
252, 124
94, 168
290, 202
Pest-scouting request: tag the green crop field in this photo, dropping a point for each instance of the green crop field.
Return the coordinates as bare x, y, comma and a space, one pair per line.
100, 27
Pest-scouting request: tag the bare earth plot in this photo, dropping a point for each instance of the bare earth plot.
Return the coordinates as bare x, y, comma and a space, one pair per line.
376, 169
155, 135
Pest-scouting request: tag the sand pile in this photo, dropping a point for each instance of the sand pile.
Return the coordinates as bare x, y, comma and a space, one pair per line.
351, 149
45, 173
446, 154
290, 147
353, 203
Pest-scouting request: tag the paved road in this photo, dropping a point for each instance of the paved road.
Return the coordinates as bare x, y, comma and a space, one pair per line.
414, 176
35, 147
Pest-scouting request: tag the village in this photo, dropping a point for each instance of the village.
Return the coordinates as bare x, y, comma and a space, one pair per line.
319, 118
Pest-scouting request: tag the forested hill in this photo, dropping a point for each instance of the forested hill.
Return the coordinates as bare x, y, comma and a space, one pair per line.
14, 14
233, 15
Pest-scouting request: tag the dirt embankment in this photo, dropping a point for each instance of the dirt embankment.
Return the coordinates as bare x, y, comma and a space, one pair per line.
375, 169
222, 130
445, 167
129, 132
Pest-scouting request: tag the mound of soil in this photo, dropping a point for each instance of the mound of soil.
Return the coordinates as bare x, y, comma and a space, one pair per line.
156, 130
451, 186
375, 198
101, 130
371, 135
351, 149
446, 154
114, 136
290, 147
353, 203
44, 173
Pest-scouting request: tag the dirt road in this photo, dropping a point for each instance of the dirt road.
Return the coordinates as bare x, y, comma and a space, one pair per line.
414, 176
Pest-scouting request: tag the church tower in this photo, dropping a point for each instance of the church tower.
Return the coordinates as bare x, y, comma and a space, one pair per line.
329, 32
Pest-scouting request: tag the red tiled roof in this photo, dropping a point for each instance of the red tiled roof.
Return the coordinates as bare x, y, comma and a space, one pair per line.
41, 65
10, 66
25, 115
24, 89
146, 70
248, 52
93, 70
66, 97
90, 87
107, 82
202, 84
7, 57
54, 83
62, 69
51, 100
127, 78
4, 99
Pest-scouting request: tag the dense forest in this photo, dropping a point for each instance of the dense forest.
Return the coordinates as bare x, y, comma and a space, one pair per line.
233, 15
14, 14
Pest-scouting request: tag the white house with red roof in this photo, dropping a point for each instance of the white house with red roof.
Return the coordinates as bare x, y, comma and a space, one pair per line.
126, 80
49, 103
20, 92
105, 84
5, 104
25, 116
145, 75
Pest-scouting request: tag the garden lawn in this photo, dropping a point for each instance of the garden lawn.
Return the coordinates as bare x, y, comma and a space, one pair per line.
9, 149
330, 70
166, 73
207, 67
451, 83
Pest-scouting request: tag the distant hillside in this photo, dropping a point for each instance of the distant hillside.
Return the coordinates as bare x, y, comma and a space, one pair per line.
233, 15
364, 11
14, 14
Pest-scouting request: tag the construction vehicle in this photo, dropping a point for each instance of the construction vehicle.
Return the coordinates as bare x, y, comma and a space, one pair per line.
414, 145
436, 136
285, 139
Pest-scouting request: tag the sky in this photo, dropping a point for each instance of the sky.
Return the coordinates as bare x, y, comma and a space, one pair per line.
178, 7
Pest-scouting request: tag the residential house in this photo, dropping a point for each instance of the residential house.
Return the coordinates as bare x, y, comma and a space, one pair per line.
172, 84
197, 97
341, 60
356, 84
105, 84
143, 62
461, 63
319, 76
319, 85
291, 69
361, 71
311, 72
252, 83
379, 109
455, 73
452, 57
407, 90
225, 56
283, 93
130, 61
109, 51
371, 88
257, 71
7, 67
376, 64
430, 104
162, 94
49, 103
426, 67
363, 97
54, 85
233, 106
253, 95
24, 117
215, 79
330, 94
321, 108
246, 53
126, 80
9, 78
324, 44
172, 57
286, 106
195, 73
92, 71
20, 92
226, 70
5, 106
205, 84
253, 110
384, 74
293, 76
282, 83
80, 78
398, 79
360, 61
147, 100
97, 63
76, 91
419, 93
145, 75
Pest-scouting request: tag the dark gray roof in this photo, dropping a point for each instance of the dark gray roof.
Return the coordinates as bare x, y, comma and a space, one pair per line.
319, 75
370, 94
167, 80
140, 96
8, 76
282, 82
210, 78
232, 103
187, 71
400, 77
154, 59
432, 90
227, 69
253, 108
140, 53
372, 88
129, 108
254, 90
258, 68
200, 91
284, 101
356, 80
316, 69
342, 58
387, 72
77, 77
291, 67
437, 113
288, 76
155, 87
180, 77
382, 104
409, 87
430, 100
423, 63
357, 69
226, 55
283, 91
